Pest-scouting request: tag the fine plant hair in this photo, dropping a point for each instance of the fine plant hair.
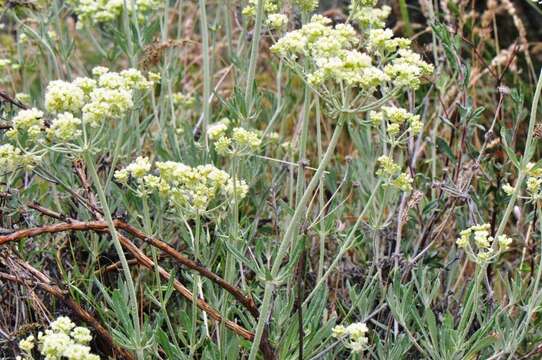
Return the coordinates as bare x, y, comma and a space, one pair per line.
270, 179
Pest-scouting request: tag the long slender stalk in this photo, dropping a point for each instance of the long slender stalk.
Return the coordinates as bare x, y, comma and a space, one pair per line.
292, 228
206, 69
254, 54
321, 200
527, 155
118, 247
345, 246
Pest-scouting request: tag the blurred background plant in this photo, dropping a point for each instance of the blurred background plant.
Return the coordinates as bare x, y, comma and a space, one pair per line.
227, 179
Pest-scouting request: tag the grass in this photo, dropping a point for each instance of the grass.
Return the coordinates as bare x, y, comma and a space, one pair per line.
322, 237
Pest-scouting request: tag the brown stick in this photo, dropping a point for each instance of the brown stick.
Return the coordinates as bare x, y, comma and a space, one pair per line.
101, 226
103, 334
246, 301
191, 264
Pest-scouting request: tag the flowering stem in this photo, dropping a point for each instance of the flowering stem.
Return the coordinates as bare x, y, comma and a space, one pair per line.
290, 231
118, 247
527, 155
254, 54
206, 69
321, 200
346, 244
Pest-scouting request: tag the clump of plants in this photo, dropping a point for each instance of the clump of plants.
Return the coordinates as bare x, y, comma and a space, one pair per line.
270, 179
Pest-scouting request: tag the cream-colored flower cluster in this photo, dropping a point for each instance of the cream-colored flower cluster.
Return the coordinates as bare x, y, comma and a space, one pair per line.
12, 158
65, 127
353, 335
408, 69
273, 19
64, 340
104, 11
276, 21
396, 119
367, 15
28, 123
392, 175
84, 100
533, 183
340, 55
183, 101
196, 190
235, 141
480, 246
306, 6
269, 7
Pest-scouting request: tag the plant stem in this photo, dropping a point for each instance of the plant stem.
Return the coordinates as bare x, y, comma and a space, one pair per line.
206, 69
118, 247
254, 54
527, 155
290, 231
405, 18
346, 245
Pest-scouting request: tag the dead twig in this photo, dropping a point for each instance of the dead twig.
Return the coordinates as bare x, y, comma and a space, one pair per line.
62, 295
100, 226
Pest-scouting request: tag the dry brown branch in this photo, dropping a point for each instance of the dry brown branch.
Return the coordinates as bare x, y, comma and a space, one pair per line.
101, 226
42, 282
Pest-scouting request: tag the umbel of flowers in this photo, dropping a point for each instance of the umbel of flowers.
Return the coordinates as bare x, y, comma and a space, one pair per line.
233, 141
105, 11
360, 70
63, 340
479, 246
354, 336
339, 54
533, 184
196, 191
76, 107
391, 174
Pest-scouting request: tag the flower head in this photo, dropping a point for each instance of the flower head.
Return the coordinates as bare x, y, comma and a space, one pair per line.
63, 96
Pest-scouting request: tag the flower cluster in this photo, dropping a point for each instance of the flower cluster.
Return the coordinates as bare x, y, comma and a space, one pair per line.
112, 96
480, 246
65, 127
196, 190
306, 6
354, 336
108, 96
104, 11
28, 123
269, 7
277, 21
332, 51
533, 183
338, 54
64, 340
11, 158
234, 142
367, 16
63, 96
396, 119
408, 69
382, 41
183, 101
391, 173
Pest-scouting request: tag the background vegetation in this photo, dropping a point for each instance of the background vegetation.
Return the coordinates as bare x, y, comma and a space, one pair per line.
355, 251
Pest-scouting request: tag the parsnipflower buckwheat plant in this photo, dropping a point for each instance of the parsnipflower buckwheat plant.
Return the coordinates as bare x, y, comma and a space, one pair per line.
63, 340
